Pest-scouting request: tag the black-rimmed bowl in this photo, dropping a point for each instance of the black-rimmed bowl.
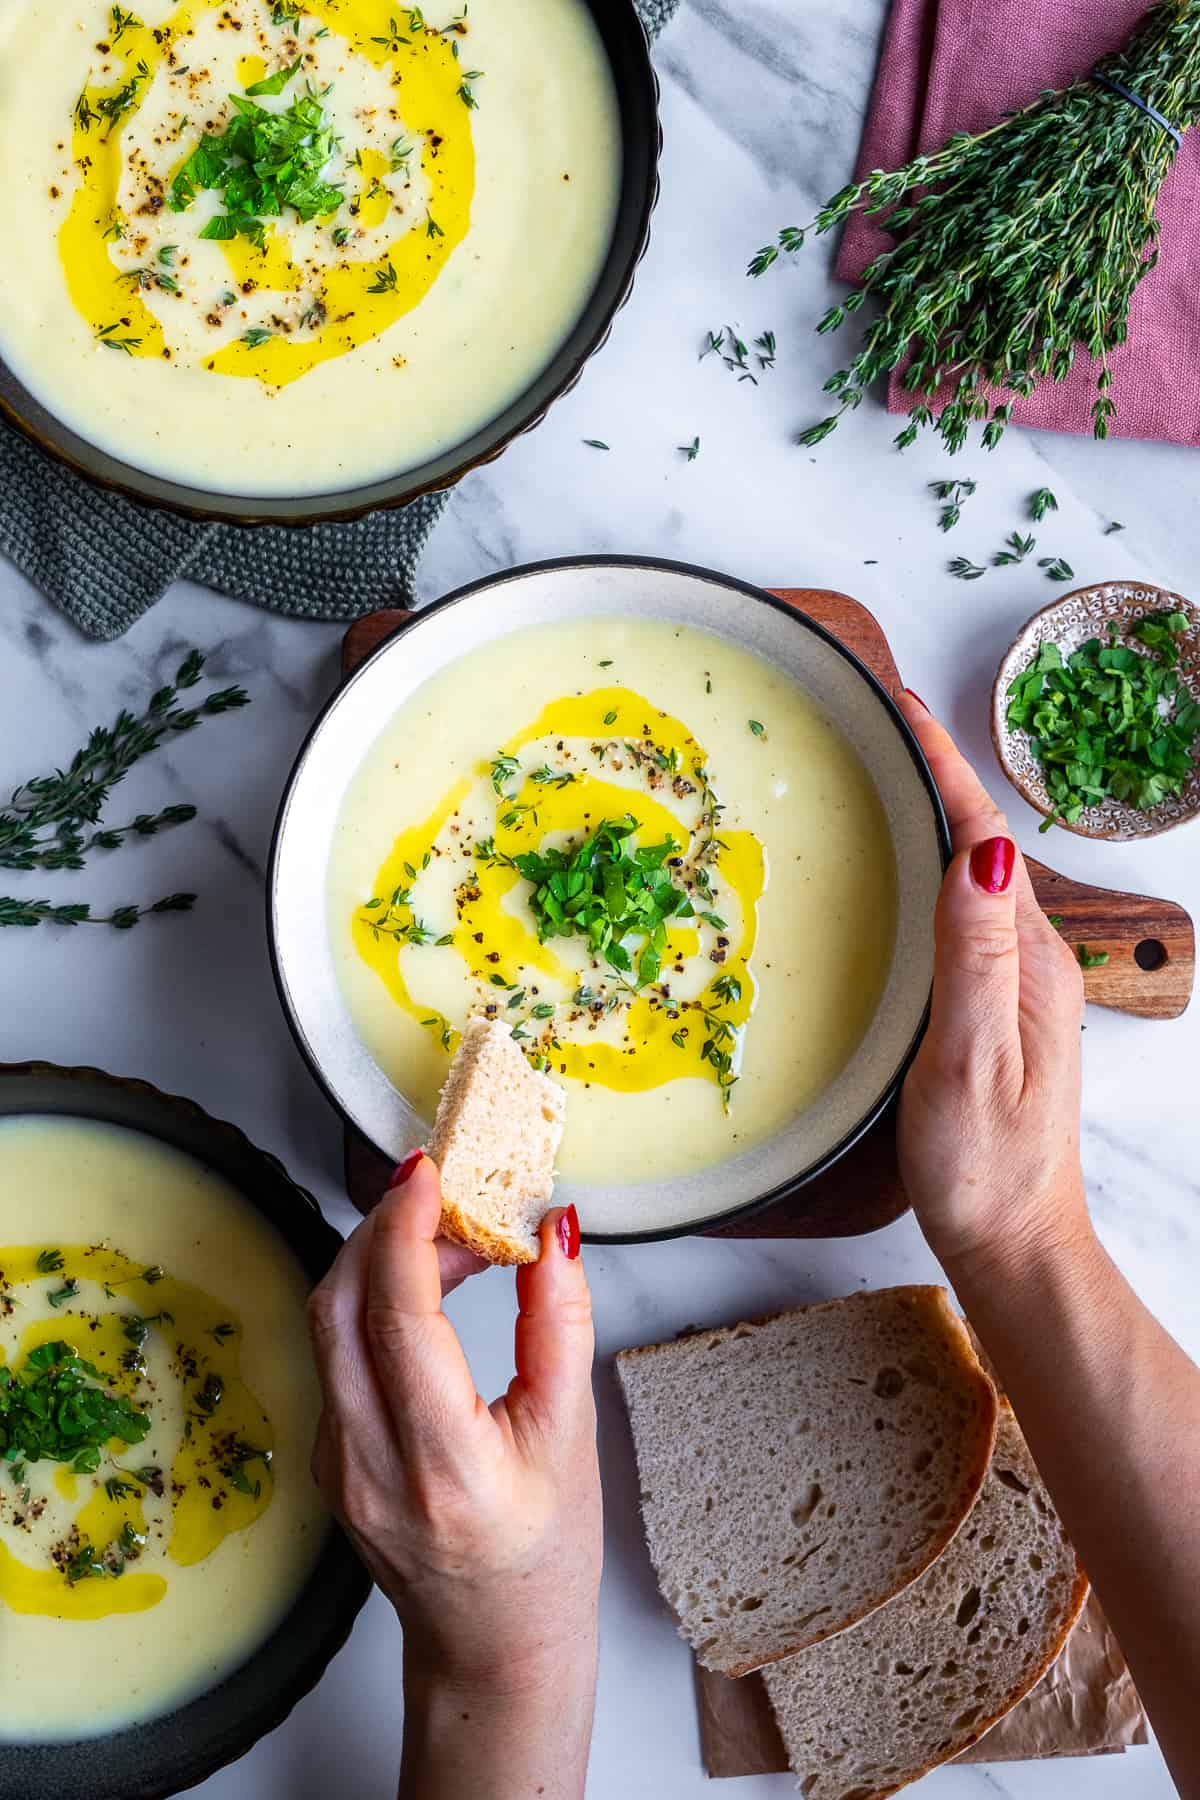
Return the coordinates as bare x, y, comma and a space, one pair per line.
612, 587
168, 1754
625, 41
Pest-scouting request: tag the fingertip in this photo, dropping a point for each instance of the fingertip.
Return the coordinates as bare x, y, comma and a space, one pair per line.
414, 1196
991, 863
565, 1229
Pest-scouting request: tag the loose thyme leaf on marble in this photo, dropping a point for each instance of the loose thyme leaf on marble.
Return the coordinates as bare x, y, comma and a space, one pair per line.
952, 493
1016, 549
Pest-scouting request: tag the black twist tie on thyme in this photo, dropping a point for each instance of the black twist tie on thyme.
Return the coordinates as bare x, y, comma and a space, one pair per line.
1151, 112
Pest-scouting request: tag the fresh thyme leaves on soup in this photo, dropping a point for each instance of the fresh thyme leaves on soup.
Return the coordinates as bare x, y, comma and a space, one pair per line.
287, 249
647, 852
156, 1513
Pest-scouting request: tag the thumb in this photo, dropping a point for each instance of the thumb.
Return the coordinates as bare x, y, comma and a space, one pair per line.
975, 1020
555, 1341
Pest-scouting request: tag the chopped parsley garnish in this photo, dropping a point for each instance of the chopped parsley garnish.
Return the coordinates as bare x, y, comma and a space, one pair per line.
1090, 959
1108, 722
608, 892
275, 84
57, 1408
261, 163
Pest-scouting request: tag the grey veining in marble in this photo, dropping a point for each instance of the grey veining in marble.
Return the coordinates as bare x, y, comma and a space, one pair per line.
762, 106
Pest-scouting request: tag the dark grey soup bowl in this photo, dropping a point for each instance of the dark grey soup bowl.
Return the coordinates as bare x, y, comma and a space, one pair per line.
628, 50
148, 1762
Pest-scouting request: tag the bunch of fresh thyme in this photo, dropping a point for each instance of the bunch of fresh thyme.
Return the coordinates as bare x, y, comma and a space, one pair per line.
1018, 247
53, 821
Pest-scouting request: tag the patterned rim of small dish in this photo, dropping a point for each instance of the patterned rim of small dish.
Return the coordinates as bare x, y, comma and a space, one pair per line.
1070, 622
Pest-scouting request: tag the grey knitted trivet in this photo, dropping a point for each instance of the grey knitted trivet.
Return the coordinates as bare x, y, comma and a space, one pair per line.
105, 560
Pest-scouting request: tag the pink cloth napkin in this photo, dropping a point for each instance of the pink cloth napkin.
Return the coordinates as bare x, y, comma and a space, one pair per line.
952, 65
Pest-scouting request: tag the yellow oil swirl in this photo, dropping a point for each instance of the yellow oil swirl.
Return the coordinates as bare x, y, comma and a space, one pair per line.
354, 306
199, 1340
661, 1041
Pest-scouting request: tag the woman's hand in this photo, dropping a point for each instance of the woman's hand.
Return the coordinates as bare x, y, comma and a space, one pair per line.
481, 1524
989, 1117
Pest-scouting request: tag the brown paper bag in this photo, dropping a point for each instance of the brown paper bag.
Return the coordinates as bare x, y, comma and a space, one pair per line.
1086, 1705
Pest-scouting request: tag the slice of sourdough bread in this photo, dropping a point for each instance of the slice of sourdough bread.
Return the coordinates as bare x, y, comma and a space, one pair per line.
497, 1132
923, 1678
799, 1471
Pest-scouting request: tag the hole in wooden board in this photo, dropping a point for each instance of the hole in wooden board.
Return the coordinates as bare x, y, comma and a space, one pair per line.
1150, 954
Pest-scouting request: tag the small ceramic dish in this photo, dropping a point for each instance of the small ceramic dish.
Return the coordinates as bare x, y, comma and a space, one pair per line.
1070, 622
628, 52
598, 589
173, 1752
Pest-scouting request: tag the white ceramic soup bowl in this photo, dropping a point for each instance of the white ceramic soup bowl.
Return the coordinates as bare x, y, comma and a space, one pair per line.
612, 587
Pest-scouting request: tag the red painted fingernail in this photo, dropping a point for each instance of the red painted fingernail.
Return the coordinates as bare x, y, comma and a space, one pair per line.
913, 695
992, 864
404, 1170
568, 1233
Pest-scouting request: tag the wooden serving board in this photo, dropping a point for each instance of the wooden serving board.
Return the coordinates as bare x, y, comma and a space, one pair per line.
1150, 972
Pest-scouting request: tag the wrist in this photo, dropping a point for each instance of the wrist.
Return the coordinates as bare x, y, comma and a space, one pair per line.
519, 1727
501, 1677
1006, 1237
1057, 1254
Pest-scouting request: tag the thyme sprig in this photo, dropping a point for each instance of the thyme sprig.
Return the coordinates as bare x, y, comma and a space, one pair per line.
121, 918
44, 824
1014, 249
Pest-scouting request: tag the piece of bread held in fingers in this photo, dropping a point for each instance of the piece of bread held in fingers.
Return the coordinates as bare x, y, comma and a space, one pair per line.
498, 1127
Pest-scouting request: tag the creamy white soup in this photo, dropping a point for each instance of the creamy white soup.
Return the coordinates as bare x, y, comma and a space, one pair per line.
283, 248
160, 1527
648, 852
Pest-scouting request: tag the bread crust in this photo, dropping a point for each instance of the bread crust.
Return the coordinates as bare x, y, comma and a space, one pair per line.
933, 1299
503, 1251
1080, 1589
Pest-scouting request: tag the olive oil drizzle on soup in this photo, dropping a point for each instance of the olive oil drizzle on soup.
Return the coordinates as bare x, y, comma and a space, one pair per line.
278, 248
722, 816
156, 1512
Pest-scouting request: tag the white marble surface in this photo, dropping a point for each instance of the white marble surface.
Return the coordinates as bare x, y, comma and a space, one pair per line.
762, 101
